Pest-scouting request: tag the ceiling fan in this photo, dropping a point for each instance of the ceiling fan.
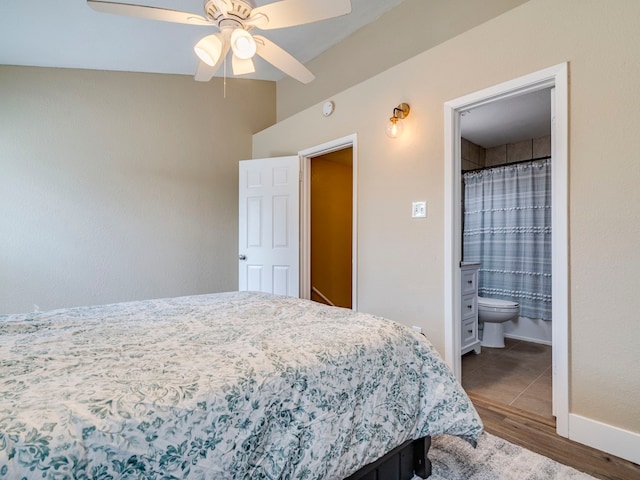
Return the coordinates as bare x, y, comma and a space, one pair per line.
235, 19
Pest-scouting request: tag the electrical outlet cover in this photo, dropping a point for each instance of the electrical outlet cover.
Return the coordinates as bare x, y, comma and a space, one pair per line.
419, 210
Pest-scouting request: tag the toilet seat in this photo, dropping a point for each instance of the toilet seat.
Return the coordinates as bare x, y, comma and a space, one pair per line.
496, 304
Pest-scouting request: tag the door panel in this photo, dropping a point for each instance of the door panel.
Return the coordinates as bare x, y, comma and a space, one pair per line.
269, 225
254, 278
254, 217
280, 279
280, 221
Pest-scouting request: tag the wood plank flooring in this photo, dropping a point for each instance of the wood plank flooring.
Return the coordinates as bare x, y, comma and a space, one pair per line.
511, 389
537, 433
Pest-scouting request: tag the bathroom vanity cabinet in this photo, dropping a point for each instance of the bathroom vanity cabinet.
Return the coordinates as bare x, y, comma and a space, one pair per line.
469, 315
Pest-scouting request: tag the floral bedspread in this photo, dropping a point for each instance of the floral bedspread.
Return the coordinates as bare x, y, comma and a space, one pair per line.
226, 386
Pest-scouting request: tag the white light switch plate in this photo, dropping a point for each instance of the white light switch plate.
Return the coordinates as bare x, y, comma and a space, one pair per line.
419, 210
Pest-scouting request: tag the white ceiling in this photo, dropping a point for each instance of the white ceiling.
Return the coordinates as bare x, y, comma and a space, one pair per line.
67, 33
509, 120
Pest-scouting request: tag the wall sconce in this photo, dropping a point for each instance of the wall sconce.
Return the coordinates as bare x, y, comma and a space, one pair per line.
395, 127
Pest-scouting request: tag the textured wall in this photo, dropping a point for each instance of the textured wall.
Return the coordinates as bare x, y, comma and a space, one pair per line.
120, 186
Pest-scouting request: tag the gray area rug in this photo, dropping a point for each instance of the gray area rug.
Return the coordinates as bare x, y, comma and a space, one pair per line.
494, 458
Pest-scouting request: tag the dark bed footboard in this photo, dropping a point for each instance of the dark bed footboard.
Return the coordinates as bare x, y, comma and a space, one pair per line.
401, 463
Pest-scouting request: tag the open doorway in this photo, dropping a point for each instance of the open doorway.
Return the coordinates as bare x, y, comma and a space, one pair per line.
506, 231
556, 79
339, 154
331, 192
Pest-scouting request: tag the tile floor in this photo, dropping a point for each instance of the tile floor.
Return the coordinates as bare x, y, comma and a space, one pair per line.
518, 375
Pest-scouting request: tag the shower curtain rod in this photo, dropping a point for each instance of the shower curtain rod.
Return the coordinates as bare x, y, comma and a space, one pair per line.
507, 164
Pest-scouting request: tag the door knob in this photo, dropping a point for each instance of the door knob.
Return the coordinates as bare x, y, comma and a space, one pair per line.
242, 257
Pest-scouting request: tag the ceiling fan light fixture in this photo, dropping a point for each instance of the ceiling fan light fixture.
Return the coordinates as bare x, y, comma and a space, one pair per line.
235, 19
243, 44
208, 49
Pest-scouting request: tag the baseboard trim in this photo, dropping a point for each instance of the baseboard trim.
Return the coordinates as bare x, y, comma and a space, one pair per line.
604, 437
527, 339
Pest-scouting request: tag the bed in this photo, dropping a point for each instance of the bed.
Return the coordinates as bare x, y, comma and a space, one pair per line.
238, 385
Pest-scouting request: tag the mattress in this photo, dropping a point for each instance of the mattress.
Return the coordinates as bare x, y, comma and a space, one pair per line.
236, 385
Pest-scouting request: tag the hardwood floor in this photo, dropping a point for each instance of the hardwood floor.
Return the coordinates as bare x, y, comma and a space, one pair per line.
511, 389
538, 434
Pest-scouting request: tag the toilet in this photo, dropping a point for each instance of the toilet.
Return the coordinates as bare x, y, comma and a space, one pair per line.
494, 312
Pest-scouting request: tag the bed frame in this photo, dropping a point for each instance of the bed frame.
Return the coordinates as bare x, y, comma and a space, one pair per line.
401, 463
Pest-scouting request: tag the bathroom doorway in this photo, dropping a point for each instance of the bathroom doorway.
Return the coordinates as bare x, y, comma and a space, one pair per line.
506, 228
553, 80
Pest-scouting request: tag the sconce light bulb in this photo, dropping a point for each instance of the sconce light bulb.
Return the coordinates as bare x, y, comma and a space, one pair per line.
394, 127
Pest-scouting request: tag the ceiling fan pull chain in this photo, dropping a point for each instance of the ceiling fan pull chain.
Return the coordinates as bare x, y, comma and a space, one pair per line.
224, 81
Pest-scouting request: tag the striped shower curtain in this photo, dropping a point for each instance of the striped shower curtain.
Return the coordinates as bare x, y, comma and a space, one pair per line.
507, 228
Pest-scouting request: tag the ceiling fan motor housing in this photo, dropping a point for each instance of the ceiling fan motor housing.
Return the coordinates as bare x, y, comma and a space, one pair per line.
238, 13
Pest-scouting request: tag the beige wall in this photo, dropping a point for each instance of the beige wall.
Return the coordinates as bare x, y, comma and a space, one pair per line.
400, 259
410, 28
120, 186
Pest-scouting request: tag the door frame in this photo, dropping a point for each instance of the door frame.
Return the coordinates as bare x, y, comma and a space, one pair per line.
306, 155
555, 77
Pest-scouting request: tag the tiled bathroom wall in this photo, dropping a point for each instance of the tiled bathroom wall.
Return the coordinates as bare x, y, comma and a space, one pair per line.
474, 156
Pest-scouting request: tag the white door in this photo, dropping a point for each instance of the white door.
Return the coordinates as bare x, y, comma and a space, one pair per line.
269, 236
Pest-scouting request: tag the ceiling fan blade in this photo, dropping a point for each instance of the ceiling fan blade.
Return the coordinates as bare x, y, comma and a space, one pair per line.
241, 66
204, 73
282, 60
151, 13
287, 13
